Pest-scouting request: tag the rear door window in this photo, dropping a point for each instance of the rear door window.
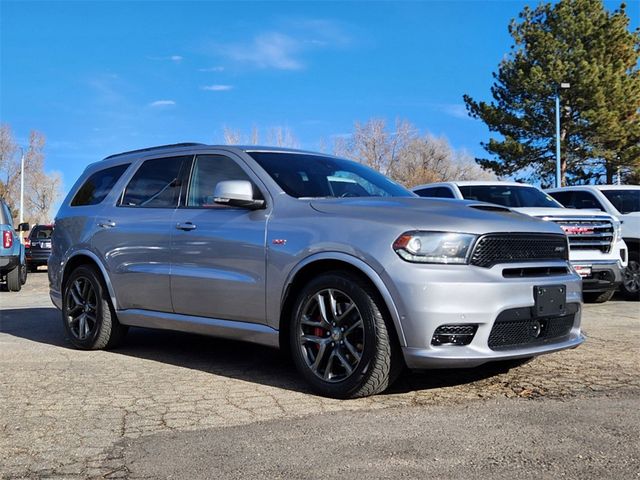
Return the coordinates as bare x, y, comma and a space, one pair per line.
98, 186
156, 184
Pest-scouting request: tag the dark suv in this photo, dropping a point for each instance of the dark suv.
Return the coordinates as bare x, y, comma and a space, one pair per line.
38, 246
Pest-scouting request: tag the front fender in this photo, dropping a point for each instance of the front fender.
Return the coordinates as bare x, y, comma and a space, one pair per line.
366, 269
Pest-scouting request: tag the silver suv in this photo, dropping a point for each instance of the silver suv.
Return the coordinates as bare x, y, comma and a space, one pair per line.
350, 273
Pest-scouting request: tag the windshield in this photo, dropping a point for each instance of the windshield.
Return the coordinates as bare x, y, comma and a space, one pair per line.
509, 195
625, 201
313, 176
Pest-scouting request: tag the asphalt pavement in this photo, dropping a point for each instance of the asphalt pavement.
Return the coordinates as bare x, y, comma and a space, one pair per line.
172, 405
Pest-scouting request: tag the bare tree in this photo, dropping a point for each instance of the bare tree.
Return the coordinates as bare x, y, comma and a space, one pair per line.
374, 145
405, 155
277, 136
42, 189
231, 137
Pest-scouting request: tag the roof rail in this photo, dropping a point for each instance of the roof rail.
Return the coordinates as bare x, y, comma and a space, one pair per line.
159, 147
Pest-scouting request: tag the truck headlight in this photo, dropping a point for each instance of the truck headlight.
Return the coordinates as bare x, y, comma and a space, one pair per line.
617, 231
434, 247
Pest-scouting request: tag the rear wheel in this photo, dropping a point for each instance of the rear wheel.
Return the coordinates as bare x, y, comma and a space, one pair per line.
87, 314
13, 280
340, 340
597, 297
631, 282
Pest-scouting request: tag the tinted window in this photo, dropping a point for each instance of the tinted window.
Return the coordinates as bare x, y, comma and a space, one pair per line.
98, 186
208, 171
509, 195
563, 197
625, 201
156, 184
583, 199
301, 175
436, 192
41, 232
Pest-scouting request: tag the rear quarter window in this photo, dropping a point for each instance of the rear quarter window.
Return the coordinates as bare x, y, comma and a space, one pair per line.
97, 186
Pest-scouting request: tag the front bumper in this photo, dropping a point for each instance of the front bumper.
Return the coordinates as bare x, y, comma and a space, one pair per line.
605, 275
37, 257
430, 296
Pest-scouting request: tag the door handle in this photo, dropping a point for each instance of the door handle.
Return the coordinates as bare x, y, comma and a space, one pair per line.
106, 224
185, 226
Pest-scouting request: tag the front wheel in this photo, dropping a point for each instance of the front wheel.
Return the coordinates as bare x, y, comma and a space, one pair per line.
340, 340
631, 282
597, 297
88, 317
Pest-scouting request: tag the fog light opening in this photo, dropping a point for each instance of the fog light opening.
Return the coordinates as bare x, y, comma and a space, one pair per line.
454, 335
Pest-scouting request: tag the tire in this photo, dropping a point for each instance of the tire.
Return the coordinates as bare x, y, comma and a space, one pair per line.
597, 297
347, 351
84, 294
23, 274
631, 283
33, 268
13, 280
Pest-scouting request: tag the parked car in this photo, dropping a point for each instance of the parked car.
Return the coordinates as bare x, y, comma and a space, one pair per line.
13, 267
621, 202
256, 244
597, 250
38, 246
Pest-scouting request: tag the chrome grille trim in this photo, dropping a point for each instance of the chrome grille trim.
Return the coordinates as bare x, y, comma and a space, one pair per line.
597, 235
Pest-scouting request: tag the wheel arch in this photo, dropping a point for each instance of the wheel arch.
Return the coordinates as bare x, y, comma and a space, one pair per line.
328, 261
85, 257
633, 247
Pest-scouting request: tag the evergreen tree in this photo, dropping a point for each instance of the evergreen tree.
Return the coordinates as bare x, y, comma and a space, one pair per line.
580, 43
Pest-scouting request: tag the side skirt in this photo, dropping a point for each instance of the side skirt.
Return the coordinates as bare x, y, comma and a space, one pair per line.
243, 331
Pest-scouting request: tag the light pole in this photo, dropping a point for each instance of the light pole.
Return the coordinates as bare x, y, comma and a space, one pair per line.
21, 185
558, 169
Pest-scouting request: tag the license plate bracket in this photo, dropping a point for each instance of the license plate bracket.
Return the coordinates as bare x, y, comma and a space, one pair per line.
550, 300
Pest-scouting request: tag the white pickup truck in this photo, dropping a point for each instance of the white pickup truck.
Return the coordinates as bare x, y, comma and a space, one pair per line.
597, 250
621, 202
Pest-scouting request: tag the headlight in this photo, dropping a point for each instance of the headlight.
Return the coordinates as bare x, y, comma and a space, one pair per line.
434, 247
617, 231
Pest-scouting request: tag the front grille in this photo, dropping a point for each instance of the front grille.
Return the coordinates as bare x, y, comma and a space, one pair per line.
587, 233
494, 249
517, 328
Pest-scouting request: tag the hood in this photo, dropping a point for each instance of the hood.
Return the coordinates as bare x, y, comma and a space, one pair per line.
414, 213
560, 212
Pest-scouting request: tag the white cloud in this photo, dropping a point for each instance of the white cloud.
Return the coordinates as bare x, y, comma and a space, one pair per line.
217, 88
172, 58
457, 110
268, 50
285, 48
162, 103
211, 69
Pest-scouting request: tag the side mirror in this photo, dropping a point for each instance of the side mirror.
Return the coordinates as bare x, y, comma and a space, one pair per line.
23, 227
236, 193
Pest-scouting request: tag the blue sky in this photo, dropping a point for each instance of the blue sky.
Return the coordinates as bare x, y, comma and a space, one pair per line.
102, 77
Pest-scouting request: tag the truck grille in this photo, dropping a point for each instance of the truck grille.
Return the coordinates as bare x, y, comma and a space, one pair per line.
587, 233
517, 328
495, 249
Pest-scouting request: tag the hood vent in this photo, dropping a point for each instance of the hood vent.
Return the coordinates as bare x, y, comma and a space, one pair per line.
489, 208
